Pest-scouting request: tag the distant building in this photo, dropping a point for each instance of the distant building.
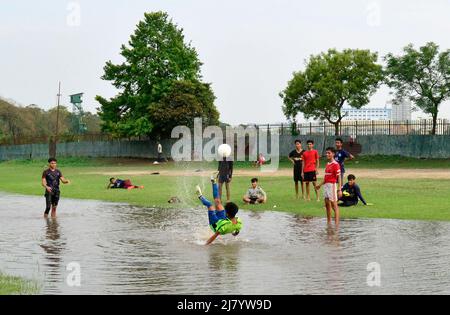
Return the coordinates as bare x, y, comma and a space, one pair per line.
367, 113
402, 111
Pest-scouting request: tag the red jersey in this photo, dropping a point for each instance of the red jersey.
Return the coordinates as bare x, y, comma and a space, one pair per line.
310, 158
332, 171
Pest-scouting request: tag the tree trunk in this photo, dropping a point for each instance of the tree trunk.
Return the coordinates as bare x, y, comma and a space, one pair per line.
433, 131
336, 128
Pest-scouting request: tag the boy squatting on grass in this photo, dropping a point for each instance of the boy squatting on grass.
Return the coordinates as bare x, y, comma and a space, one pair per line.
351, 193
255, 194
221, 220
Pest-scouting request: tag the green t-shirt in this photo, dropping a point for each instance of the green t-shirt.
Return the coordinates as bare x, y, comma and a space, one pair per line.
226, 226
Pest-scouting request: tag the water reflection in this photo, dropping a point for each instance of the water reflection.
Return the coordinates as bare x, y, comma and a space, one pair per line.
224, 258
52, 247
332, 233
127, 249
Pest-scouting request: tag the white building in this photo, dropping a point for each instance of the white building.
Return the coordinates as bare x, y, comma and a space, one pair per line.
367, 113
401, 111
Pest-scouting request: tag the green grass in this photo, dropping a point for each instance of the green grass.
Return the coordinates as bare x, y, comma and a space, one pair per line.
418, 199
13, 285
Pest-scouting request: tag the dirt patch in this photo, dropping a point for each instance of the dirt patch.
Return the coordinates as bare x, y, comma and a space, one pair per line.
360, 173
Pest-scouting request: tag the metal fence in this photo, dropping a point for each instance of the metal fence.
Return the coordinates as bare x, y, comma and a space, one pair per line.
363, 128
346, 128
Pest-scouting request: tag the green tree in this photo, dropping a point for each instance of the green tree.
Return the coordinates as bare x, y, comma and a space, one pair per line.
155, 58
330, 81
185, 101
92, 122
422, 76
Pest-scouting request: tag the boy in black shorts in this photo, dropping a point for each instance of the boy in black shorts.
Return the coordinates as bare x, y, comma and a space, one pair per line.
296, 157
50, 181
310, 168
225, 170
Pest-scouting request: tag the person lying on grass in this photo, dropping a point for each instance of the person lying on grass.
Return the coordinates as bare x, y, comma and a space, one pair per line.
222, 220
351, 193
255, 194
115, 183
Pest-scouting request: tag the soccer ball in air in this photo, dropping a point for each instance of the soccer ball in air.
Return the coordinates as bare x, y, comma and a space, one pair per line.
224, 150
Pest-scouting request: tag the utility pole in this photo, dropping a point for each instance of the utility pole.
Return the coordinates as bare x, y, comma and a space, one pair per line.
57, 113
54, 141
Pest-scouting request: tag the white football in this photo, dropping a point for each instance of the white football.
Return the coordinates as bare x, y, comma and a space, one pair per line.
224, 150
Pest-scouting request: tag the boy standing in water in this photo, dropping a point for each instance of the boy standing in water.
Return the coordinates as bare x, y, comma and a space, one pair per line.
50, 181
222, 220
331, 192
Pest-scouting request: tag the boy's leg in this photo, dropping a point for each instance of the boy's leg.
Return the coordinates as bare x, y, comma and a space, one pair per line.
48, 204
220, 189
308, 197
54, 202
216, 195
303, 189
328, 207
317, 193
54, 211
208, 204
296, 190
227, 185
336, 213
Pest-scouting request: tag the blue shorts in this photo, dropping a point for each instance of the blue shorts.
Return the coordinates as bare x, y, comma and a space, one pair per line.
215, 216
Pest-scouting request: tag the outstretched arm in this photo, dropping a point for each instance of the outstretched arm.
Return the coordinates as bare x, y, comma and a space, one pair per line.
358, 192
212, 238
65, 180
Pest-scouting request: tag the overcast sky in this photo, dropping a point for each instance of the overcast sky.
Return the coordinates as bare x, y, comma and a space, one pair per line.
249, 47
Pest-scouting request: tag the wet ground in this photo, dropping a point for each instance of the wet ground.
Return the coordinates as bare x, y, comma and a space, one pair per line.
122, 249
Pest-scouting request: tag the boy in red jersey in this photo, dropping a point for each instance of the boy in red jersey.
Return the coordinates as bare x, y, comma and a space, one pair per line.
310, 166
332, 186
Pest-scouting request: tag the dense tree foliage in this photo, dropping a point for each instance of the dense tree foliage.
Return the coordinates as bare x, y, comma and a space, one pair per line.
156, 58
330, 81
422, 76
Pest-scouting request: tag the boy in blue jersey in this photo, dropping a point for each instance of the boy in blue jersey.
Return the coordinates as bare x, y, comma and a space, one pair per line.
222, 220
341, 156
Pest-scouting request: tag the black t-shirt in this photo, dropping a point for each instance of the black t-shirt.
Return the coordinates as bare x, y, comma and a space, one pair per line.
297, 157
225, 168
52, 178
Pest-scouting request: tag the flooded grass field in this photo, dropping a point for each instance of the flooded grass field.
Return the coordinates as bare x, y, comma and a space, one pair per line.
123, 249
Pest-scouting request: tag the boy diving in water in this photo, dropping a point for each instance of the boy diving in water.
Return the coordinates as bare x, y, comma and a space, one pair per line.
222, 220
